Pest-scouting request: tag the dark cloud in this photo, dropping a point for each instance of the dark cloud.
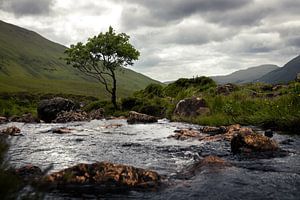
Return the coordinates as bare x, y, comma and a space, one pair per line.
27, 7
157, 13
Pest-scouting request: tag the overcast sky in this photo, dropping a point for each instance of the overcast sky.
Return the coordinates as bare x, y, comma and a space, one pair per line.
176, 38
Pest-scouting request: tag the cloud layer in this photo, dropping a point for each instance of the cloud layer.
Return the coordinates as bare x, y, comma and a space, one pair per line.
176, 38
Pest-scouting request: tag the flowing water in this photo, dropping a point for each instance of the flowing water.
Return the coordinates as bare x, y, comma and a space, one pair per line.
148, 146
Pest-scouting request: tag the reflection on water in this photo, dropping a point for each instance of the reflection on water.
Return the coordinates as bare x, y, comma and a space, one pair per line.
147, 146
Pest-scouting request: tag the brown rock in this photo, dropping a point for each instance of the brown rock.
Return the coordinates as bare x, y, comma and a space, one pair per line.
184, 134
252, 142
26, 118
209, 162
226, 89
104, 173
62, 130
112, 126
96, 114
13, 131
135, 117
29, 172
3, 120
71, 116
191, 107
213, 130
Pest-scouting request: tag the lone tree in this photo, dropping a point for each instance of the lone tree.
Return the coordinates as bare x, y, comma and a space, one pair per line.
101, 56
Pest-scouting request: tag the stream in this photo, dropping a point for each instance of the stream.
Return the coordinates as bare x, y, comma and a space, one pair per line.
148, 146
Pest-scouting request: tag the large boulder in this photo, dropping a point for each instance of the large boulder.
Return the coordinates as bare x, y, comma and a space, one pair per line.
244, 142
48, 109
226, 89
191, 107
104, 174
135, 117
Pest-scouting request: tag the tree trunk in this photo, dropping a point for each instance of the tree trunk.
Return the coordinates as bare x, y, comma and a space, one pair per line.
114, 91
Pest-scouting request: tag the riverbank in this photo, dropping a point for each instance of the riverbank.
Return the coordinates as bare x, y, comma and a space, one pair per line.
275, 107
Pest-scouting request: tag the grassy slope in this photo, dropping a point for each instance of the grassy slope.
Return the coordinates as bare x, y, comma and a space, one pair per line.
29, 62
245, 76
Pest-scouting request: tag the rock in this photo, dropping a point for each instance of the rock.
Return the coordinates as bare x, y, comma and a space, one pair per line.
96, 114
191, 107
211, 130
135, 117
287, 141
48, 109
112, 126
62, 130
209, 162
244, 142
105, 174
3, 120
269, 133
235, 129
71, 116
29, 172
226, 89
26, 118
13, 131
184, 134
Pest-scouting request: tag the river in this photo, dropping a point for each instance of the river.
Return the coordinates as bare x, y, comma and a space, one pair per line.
148, 146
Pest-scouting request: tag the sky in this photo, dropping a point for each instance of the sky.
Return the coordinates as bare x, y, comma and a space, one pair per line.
176, 38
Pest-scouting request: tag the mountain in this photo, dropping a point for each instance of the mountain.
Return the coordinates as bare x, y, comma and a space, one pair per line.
245, 76
284, 74
30, 62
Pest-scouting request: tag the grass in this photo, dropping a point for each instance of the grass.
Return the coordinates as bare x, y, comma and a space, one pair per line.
31, 63
252, 104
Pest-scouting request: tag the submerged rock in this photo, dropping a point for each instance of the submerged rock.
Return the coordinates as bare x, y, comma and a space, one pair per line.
244, 142
191, 107
269, 133
13, 131
28, 172
135, 117
105, 174
71, 116
62, 130
184, 134
211, 162
49, 109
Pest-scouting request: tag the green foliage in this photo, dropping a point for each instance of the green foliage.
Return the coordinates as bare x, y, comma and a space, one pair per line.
101, 56
151, 91
199, 84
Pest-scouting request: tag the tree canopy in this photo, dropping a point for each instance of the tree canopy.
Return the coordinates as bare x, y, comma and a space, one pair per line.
101, 56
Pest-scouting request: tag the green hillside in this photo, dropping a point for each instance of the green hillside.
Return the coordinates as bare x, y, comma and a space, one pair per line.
284, 74
31, 63
245, 76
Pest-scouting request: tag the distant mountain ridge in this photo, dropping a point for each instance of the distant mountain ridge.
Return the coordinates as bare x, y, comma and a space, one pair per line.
30, 62
284, 74
248, 75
